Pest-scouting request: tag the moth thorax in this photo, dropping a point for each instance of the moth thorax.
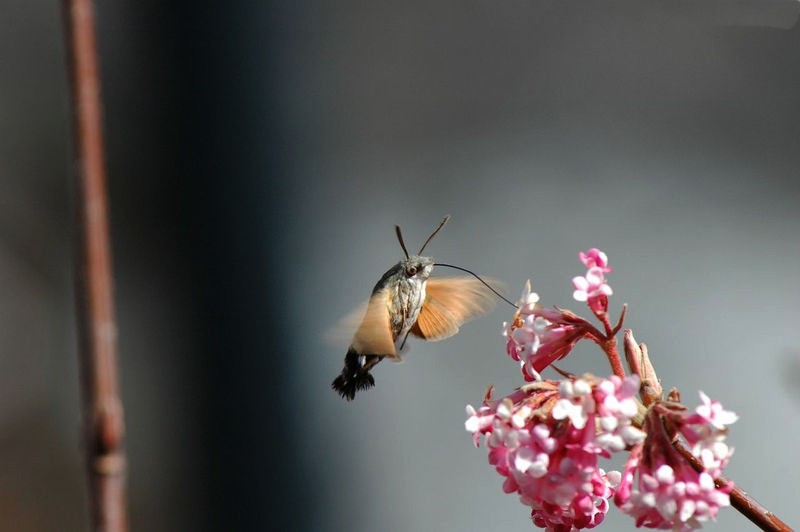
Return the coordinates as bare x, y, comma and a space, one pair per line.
407, 299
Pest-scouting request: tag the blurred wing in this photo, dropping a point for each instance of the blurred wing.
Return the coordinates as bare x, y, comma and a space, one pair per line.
374, 334
340, 335
449, 302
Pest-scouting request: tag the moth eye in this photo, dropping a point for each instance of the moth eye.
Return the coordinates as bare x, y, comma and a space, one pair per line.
411, 271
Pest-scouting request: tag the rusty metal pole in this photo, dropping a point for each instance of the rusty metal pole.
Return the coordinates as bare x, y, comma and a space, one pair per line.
103, 425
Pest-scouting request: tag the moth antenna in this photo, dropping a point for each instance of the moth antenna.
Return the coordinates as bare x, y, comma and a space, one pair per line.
400, 238
446, 218
487, 285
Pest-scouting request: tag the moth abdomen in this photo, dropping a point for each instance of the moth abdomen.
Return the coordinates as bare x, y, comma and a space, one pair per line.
355, 375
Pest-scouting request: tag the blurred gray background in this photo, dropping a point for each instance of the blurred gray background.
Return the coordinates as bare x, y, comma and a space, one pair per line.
259, 154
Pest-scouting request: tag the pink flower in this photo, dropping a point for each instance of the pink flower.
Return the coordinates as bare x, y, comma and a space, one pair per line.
705, 432
592, 287
659, 488
711, 412
538, 336
595, 258
616, 408
545, 439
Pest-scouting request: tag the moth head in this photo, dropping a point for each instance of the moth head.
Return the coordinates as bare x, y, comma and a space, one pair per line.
418, 267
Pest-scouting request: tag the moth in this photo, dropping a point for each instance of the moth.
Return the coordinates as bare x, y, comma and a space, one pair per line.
407, 301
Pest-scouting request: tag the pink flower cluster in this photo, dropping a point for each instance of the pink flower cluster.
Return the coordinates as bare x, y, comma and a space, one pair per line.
659, 488
546, 439
539, 336
592, 287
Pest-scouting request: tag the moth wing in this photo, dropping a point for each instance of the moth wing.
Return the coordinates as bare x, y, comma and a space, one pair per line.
374, 333
449, 302
340, 335
434, 322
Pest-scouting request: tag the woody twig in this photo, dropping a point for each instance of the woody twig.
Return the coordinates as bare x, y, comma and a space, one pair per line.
102, 408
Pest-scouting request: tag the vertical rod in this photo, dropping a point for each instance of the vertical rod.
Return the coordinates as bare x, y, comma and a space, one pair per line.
103, 424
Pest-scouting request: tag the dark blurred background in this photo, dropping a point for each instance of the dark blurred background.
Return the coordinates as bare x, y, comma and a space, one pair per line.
259, 154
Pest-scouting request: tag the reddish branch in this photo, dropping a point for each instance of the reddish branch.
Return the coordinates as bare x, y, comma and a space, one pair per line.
103, 425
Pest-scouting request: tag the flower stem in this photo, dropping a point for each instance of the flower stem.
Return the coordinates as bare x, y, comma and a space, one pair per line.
744, 503
608, 343
606, 324
621, 320
610, 348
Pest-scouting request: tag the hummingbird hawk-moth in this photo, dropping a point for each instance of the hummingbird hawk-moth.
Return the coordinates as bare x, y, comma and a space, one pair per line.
407, 301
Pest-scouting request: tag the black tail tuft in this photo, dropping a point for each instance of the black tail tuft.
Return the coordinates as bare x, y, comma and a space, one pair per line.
354, 377
347, 386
